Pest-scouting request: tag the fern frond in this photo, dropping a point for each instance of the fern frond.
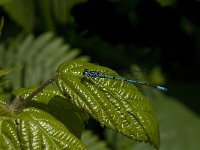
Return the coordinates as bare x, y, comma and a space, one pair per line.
39, 58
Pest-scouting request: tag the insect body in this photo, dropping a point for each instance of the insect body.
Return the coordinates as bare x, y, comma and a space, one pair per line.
96, 74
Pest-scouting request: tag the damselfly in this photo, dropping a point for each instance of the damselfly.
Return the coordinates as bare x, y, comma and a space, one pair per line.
96, 74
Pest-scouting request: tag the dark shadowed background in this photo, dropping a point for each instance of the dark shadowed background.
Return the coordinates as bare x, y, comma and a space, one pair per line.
114, 33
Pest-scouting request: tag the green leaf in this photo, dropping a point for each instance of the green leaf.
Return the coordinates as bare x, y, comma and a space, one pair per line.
35, 129
2, 82
5, 72
5, 113
46, 13
4, 99
62, 9
46, 52
22, 11
179, 127
54, 103
115, 104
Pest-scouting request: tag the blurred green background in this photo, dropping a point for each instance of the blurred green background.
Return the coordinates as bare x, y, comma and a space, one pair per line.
157, 41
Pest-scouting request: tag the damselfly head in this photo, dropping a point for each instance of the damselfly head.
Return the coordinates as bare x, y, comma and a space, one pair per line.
85, 72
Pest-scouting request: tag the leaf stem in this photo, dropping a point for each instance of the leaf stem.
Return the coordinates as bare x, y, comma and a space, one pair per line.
38, 90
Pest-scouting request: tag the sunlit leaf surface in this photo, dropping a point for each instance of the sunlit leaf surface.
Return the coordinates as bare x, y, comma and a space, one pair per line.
116, 104
52, 101
34, 129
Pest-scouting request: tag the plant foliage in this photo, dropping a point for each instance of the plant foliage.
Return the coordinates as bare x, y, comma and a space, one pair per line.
178, 127
38, 57
24, 12
55, 119
3, 73
52, 101
35, 129
115, 104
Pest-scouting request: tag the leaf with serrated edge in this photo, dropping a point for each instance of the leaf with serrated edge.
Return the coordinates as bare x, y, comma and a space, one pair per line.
35, 129
53, 102
115, 104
